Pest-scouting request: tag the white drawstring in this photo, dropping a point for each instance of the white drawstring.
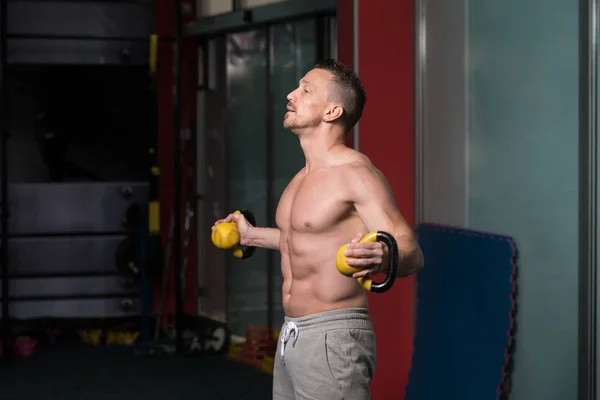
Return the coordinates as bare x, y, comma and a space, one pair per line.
287, 332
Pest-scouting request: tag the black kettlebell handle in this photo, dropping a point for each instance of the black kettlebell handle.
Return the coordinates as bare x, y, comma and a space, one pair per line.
392, 270
243, 252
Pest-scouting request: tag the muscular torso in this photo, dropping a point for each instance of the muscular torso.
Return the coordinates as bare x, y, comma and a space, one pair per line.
315, 218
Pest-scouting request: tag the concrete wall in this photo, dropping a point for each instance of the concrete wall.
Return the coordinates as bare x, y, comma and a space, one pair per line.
444, 123
500, 137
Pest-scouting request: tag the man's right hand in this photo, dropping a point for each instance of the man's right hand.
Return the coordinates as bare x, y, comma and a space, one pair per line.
251, 235
242, 224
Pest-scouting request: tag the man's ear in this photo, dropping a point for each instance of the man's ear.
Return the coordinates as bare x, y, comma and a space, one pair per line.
333, 113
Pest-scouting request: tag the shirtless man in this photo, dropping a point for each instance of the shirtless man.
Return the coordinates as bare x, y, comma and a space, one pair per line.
327, 346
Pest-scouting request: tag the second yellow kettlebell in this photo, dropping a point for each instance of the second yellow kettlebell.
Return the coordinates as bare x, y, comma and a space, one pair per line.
342, 261
366, 281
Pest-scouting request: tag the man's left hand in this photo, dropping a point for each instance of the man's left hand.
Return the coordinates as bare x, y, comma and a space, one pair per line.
368, 256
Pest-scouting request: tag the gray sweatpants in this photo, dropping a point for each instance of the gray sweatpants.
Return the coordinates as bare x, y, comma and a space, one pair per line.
325, 356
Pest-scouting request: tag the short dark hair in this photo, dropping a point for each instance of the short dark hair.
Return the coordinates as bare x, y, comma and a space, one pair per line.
351, 92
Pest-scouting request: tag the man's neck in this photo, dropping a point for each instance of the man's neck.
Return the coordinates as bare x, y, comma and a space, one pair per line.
317, 147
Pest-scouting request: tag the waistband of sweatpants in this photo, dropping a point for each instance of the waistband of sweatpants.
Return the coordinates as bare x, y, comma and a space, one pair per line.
346, 318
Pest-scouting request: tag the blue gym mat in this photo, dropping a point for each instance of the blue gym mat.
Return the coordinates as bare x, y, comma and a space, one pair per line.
465, 315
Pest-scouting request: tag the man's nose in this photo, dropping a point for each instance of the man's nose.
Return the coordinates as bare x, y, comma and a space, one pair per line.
292, 95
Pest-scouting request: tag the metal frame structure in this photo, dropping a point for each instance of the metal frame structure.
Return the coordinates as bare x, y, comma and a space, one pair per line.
38, 25
420, 54
588, 199
177, 177
240, 20
4, 180
270, 170
116, 44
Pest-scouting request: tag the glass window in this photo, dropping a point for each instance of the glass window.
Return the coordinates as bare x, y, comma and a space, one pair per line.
500, 154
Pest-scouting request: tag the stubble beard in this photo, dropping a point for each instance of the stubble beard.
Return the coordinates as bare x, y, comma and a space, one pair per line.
291, 123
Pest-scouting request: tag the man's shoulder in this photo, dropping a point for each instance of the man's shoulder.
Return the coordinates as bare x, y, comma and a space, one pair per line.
363, 176
361, 164
352, 159
351, 165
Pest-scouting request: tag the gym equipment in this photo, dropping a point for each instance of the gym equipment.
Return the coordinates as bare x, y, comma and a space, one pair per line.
126, 304
226, 236
465, 315
173, 245
366, 281
259, 343
112, 337
120, 337
200, 336
191, 198
217, 339
268, 365
25, 346
125, 261
128, 254
211, 340
94, 337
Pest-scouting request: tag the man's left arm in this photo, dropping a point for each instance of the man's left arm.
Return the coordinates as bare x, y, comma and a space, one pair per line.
374, 202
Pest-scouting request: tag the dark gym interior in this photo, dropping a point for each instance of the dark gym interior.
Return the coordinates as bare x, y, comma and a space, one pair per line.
91, 305
128, 127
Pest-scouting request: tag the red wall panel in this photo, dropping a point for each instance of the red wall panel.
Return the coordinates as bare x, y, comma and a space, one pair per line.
386, 135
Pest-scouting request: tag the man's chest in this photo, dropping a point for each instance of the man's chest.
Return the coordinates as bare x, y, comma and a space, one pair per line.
312, 204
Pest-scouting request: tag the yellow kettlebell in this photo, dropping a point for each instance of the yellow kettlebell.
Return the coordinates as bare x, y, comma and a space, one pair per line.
226, 236
366, 281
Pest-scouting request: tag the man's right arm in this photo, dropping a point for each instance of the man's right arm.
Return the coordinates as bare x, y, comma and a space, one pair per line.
267, 238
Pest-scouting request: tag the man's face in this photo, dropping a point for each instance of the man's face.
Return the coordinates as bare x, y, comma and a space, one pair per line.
307, 104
